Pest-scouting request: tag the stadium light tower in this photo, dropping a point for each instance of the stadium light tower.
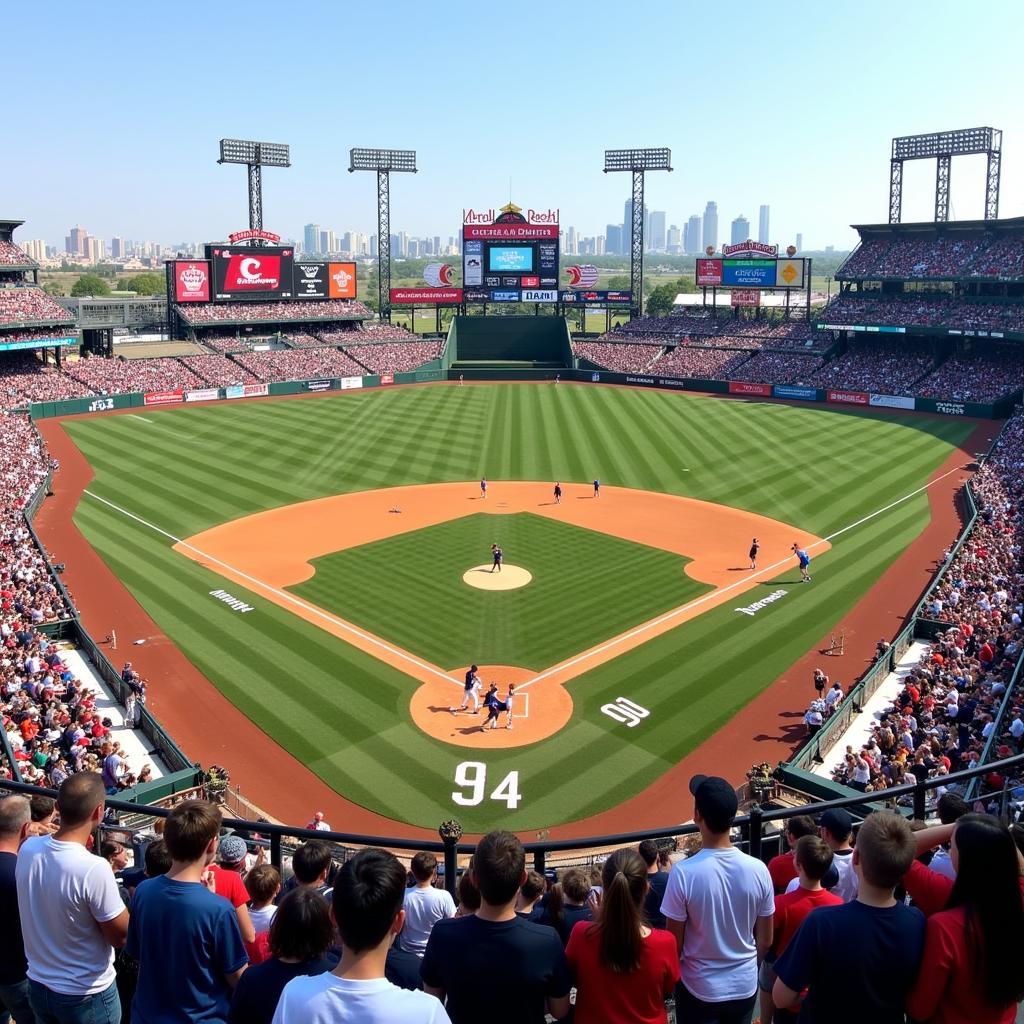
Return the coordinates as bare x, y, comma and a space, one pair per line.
383, 161
638, 161
256, 156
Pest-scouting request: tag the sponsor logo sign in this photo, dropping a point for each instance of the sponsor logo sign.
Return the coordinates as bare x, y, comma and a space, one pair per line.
745, 297
951, 408
101, 405
192, 281
310, 281
202, 395
509, 232
742, 387
247, 390
473, 264
438, 275
847, 397
163, 397
232, 602
387, 378
504, 296
406, 296
639, 380
317, 385
348, 383
753, 609
671, 382
475, 295
540, 295
750, 247
341, 280
253, 233
792, 391
891, 401
248, 273
595, 378
472, 216
584, 276
530, 282
709, 272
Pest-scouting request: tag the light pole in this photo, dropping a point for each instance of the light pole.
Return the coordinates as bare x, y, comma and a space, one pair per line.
256, 156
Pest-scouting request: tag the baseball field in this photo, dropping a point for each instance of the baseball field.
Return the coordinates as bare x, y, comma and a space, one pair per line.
324, 564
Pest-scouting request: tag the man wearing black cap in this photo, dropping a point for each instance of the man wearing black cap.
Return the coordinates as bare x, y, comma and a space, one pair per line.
837, 830
719, 905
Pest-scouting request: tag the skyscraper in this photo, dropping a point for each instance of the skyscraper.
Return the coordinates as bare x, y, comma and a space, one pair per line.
75, 243
627, 227
710, 225
672, 239
570, 241
762, 225
799, 242
117, 249
311, 239
740, 230
613, 239
656, 231
691, 235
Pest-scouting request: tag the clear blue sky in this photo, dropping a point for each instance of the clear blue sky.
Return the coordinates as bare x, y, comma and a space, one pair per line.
792, 104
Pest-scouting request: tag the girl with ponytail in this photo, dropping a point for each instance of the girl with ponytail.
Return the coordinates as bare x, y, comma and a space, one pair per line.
623, 969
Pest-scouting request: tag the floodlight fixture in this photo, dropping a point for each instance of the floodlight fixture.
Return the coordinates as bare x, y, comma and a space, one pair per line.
255, 156
659, 159
637, 162
382, 160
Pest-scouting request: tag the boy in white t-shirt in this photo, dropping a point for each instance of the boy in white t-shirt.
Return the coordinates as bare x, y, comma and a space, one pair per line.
424, 905
263, 884
367, 909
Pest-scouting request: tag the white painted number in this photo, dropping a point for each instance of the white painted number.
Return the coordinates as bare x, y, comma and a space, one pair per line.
626, 711
472, 775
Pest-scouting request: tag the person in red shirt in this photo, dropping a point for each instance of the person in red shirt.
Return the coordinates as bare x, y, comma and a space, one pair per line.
783, 867
624, 970
813, 857
970, 972
228, 882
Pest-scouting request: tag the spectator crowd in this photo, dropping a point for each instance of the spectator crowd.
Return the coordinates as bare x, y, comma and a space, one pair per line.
989, 255
272, 312
886, 367
27, 305
12, 256
633, 357
923, 309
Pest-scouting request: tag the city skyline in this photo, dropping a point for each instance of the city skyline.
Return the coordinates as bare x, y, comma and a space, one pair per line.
117, 175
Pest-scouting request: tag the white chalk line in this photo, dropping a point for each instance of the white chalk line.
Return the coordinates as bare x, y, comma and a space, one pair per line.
547, 673
136, 416
284, 595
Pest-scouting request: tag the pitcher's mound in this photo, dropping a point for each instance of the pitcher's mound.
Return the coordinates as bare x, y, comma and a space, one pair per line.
511, 577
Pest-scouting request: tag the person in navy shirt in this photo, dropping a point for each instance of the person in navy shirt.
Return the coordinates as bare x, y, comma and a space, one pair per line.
184, 936
597, 488
497, 554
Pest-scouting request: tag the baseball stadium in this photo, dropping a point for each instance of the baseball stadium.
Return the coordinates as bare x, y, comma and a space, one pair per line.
382, 588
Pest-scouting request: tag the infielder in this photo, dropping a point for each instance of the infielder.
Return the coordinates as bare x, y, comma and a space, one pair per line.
805, 560
471, 691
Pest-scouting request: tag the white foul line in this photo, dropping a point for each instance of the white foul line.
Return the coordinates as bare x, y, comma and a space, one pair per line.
135, 416
283, 594
615, 641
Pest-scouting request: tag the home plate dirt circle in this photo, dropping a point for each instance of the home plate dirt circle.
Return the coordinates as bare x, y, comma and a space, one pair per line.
511, 577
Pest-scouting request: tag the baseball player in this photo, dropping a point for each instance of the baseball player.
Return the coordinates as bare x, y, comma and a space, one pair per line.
471, 691
509, 698
754, 548
597, 488
494, 706
558, 494
483, 487
805, 560
497, 554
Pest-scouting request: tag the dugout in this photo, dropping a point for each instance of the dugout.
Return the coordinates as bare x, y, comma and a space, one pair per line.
529, 342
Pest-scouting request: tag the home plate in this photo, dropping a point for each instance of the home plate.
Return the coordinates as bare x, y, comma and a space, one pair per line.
511, 577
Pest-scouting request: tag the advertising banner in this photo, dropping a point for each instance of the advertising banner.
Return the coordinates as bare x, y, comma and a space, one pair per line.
792, 391
347, 383
407, 296
203, 395
709, 271
310, 281
509, 232
789, 273
745, 297
163, 397
55, 342
742, 387
247, 391
891, 401
749, 273
341, 280
575, 298
192, 281
473, 264
252, 273
847, 397
539, 295
387, 378
318, 385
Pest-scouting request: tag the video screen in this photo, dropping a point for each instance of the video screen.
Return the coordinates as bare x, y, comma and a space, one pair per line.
510, 258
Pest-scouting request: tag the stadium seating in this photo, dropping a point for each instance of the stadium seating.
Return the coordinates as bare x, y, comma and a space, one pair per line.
909, 258
272, 312
984, 374
113, 376
879, 366
300, 364
30, 306
12, 256
703, 363
217, 371
779, 368
24, 379
924, 309
395, 357
622, 358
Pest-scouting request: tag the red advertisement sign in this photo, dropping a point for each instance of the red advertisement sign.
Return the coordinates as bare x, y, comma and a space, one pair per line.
406, 296
511, 232
848, 397
250, 271
243, 236
341, 281
709, 271
742, 387
745, 297
387, 378
192, 281
163, 397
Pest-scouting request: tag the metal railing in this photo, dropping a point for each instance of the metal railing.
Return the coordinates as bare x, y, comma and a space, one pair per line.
754, 828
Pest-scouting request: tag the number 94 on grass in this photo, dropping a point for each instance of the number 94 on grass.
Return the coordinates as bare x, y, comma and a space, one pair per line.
471, 777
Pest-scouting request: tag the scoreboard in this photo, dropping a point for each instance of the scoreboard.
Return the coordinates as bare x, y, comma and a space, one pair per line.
759, 272
510, 258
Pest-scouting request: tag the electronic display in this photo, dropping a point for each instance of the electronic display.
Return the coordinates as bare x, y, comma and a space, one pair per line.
241, 272
510, 258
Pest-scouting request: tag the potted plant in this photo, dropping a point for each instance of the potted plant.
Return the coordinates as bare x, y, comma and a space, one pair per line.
215, 783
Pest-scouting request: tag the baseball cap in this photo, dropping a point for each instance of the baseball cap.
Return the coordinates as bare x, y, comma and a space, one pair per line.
715, 799
232, 849
838, 822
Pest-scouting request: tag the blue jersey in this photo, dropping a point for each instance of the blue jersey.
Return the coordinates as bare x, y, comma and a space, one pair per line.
803, 557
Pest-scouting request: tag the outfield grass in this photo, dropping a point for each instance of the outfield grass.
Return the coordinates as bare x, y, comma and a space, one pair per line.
346, 715
586, 588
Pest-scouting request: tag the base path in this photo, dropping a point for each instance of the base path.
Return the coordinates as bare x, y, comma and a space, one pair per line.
270, 551
212, 730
